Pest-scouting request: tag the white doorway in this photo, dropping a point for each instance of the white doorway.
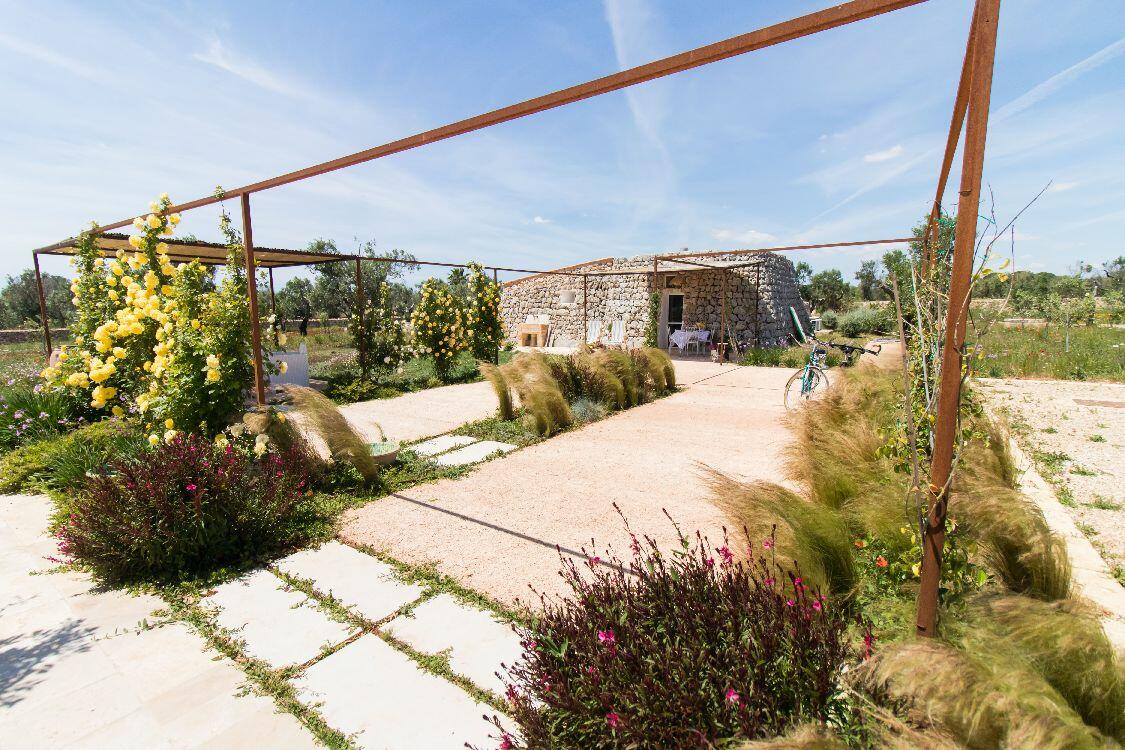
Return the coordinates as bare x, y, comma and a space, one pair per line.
671, 316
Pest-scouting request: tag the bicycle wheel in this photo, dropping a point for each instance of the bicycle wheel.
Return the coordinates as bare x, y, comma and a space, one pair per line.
799, 389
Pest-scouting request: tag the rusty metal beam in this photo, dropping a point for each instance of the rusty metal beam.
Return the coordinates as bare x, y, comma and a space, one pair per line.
252, 298
43, 307
758, 250
960, 107
822, 20
960, 288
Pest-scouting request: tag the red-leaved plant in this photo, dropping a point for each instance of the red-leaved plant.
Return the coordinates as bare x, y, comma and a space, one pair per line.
182, 508
688, 649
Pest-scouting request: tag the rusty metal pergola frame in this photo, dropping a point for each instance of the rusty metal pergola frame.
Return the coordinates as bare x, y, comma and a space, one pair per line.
970, 110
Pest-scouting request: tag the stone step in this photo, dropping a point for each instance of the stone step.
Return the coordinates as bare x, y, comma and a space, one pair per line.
477, 644
283, 628
382, 699
441, 444
361, 582
474, 453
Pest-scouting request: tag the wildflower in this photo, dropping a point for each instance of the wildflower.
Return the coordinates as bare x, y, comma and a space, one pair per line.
190, 488
606, 636
613, 719
817, 605
726, 554
790, 603
767, 544
881, 561
732, 696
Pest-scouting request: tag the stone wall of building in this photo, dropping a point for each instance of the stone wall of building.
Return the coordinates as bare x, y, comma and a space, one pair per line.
758, 298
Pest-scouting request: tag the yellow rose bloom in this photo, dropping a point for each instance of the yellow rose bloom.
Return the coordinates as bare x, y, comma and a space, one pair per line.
169, 423
153, 221
212, 376
136, 240
153, 439
118, 411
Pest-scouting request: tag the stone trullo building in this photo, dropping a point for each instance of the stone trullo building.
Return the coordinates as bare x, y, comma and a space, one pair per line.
611, 300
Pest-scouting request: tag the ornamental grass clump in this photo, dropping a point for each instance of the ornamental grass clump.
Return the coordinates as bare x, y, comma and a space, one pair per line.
326, 420
185, 507
692, 648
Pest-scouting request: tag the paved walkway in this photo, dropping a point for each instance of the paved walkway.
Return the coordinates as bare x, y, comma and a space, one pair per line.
422, 414
497, 529
79, 668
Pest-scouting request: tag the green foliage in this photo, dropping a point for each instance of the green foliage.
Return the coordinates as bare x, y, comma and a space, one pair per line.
19, 300
183, 508
829, 319
1095, 353
438, 324
827, 290
30, 413
485, 328
377, 335
60, 463
652, 325
863, 320
688, 648
495, 376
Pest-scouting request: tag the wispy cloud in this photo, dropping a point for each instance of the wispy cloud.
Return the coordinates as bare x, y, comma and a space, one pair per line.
80, 68
540, 220
1061, 187
221, 57
1058, 81
886, 155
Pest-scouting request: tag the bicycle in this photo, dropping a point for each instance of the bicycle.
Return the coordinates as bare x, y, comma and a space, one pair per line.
811, 381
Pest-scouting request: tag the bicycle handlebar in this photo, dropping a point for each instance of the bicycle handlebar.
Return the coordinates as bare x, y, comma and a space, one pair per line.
848, 348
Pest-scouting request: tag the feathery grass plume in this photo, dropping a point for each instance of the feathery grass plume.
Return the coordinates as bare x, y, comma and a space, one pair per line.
496, 377
598, 381
565, 373
984, 699
816, 537
1065, 643
623, 368
540, 396
655, 368
803, 737
342, 440
1015, 541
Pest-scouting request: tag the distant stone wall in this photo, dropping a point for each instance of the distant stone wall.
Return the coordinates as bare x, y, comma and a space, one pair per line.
758, 298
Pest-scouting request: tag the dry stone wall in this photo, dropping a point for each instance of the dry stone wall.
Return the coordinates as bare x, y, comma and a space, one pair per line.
758, 298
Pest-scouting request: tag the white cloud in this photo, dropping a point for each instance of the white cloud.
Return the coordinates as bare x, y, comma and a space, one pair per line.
747, 237
540, 220
1061, 187
886, 155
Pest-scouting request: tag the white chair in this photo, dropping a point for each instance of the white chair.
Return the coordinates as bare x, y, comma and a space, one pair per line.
616, 332
593, 331
297, 367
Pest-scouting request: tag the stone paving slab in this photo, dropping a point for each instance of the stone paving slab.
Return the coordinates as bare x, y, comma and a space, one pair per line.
471, 454
360, 581
476, 643
383, 700
281, 627
79, 670
441, 444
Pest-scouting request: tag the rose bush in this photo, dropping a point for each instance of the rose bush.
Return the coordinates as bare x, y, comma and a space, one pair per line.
438, 324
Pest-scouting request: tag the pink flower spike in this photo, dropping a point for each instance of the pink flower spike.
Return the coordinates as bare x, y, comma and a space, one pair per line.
767, 544
726, 554
733, 696
817, 606
612, 719
190, 488
506, 743
789, 602
709, 562
606, 636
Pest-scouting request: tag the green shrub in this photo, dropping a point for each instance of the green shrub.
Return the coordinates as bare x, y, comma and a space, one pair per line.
31, 413
687, 649
862, 320
829, 319
61, 463
185, 507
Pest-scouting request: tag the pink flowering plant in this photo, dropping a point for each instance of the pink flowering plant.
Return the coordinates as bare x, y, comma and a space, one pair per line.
693, 648
184, 507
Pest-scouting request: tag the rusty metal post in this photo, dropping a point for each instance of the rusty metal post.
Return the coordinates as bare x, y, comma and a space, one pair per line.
949, 397
43, 307
273, 300
723, 321
252, 295
496, 281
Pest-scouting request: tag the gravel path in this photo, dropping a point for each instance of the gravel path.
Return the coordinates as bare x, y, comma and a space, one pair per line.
413, 416
496, 530
1075, 434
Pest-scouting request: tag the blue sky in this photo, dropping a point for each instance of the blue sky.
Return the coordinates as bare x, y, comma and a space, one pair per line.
836, 137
